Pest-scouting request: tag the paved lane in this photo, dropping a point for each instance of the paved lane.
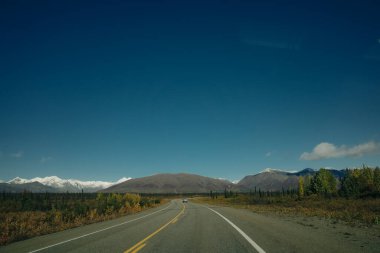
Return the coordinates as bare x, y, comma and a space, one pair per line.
199, 230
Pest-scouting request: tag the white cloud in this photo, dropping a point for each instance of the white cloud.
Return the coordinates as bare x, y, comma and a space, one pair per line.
325, 150
18, 154
268, 154
45, 159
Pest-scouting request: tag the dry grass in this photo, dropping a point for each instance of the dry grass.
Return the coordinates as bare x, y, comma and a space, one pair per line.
354, 211
15, 226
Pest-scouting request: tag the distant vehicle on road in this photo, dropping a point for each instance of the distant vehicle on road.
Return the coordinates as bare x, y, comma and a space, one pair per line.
184, 201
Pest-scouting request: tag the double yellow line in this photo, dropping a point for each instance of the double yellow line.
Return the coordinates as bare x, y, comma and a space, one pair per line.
141, 244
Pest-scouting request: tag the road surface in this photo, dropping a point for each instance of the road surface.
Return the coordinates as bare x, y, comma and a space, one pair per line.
191, 227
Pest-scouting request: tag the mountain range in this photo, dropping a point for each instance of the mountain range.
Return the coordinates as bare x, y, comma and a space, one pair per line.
55, 184
274, 180
171, 183
267, 180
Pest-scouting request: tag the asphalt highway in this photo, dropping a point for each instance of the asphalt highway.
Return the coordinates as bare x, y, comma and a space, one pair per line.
188, 227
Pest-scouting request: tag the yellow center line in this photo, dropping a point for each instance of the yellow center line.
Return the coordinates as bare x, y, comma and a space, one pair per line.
136, 247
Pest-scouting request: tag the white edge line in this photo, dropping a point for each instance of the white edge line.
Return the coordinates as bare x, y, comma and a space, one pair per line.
101, 230
255, 245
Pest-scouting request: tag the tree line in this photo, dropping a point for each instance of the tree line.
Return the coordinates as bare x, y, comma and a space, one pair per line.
77, 203
355, 183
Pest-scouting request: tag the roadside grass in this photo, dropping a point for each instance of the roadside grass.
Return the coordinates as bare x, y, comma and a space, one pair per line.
16, 225
354, 211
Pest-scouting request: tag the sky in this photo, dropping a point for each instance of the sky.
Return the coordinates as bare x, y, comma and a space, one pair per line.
99, 90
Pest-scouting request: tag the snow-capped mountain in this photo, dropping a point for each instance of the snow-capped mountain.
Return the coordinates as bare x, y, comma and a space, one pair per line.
236, 181
231, 181
71, 185
271, 170
18, 180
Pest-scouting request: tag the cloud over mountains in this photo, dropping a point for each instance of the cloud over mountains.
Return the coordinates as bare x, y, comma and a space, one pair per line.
325, 150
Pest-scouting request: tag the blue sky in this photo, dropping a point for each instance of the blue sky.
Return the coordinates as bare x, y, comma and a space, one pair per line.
101, 90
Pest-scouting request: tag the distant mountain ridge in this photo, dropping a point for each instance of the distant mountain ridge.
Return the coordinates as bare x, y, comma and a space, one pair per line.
276, 180
57, 184
172, 183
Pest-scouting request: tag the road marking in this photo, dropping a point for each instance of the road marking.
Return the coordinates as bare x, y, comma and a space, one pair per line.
95, 232
255, 245
155, 232
140, 247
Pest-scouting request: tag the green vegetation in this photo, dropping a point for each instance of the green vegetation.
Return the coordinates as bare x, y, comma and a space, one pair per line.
352, 198
356, 183
323, 182
361, 182
28, 214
